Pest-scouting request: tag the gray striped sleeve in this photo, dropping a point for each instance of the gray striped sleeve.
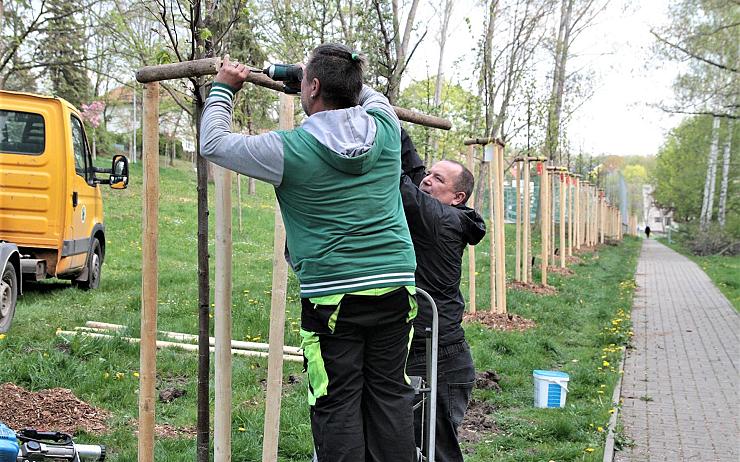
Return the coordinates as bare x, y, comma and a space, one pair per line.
259, 156
371, 99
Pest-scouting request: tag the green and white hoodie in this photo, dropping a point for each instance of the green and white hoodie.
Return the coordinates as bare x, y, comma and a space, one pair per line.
336, 178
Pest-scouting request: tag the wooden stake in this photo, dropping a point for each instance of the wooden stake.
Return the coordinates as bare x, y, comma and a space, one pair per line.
518, 194
222, 316
544, 223
578, 213
239, 198
501, 242
277, 316
471, 248
562, 244
571, 212
526, 225
149, 274
492, 236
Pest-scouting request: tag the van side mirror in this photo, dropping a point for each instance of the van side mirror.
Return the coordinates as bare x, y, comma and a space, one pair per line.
119, 172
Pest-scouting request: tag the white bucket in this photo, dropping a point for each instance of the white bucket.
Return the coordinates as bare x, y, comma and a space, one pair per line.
550, 388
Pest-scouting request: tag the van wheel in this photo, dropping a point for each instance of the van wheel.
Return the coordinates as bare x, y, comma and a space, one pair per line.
94, 267
8, 296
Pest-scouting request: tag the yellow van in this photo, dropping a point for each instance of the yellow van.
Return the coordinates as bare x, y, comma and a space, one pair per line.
51, 207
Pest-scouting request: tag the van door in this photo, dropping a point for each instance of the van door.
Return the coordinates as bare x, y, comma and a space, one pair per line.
83, 201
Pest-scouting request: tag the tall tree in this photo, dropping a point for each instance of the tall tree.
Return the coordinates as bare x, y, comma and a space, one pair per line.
575, 17
707, 204
722, 214
63, 51
703, 36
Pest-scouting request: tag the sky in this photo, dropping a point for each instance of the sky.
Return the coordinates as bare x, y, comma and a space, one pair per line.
620, 117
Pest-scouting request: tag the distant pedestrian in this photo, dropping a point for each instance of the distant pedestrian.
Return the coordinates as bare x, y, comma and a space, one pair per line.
647, 231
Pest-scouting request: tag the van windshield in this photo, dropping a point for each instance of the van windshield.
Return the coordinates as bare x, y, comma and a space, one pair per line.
22, 133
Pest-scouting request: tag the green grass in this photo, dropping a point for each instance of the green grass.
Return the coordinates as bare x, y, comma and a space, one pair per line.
724, 271
577, 330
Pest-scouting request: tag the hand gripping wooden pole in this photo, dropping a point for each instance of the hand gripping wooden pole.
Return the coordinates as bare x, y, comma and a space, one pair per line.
210, 66
277, 316
471, 248
149, 274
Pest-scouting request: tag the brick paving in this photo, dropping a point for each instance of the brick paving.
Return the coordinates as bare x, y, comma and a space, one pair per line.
680, 386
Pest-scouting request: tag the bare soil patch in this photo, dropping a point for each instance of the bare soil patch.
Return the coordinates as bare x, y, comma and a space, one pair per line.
559, 270
500, 321
488, 380
477, 424
574, 260
55, 409
167, 430
538, 289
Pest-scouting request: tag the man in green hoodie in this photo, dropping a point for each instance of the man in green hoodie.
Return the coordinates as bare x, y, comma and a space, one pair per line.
336, 179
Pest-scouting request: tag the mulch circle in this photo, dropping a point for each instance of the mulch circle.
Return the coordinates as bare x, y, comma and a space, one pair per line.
477, 424
574, 260
559, 270
500, 321
55, 409
537, 289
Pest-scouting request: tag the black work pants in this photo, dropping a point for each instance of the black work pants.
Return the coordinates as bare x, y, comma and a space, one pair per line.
356, 355
455, 381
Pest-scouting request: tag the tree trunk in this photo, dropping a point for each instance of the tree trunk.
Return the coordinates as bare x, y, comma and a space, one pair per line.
725, 174
440, 68
558, 80
708, 199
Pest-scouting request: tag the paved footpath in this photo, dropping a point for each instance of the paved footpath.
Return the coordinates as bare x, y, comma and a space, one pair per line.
680, 386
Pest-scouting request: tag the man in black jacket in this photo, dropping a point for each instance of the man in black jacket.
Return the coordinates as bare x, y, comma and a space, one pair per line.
441, 227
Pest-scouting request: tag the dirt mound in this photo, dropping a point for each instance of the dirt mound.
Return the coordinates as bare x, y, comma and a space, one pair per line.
56, 409
538, 289
488, 380
478, 422
501, 321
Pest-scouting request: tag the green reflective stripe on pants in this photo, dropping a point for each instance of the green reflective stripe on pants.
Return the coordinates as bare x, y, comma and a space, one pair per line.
408, 349
317, 377
414, 307
333, 319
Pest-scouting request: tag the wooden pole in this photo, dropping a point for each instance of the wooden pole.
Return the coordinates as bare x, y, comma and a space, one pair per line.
571, 212
518, 223
501, 242
544, 223
526, 225
471, 248
239, 198
149, 274
222, 316
277, 316
578, 213
551, 183
210, 66
492, 235
562, 243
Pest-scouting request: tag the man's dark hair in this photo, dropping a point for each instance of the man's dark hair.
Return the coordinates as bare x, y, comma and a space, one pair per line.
464, 182
339, 70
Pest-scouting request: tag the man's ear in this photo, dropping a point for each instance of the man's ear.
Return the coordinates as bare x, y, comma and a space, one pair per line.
459, 198
315, 87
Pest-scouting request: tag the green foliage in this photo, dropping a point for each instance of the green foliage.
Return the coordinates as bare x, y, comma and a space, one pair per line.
458, 105
64, 49
704, 35
681, 167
